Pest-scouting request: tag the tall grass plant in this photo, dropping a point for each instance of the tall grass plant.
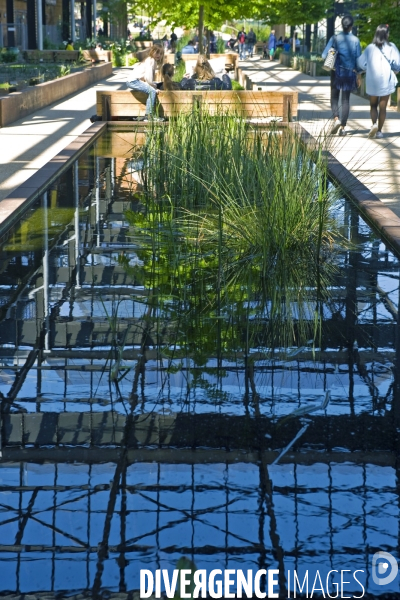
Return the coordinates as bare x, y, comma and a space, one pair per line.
236, 226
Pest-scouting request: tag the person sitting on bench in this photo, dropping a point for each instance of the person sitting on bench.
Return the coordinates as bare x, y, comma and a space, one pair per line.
141, 78
204, 78
167, 72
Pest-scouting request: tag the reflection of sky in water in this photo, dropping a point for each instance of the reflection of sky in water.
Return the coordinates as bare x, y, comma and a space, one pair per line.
202, 487
319, 513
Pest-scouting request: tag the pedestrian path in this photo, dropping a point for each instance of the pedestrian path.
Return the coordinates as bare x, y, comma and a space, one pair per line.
374, 162
29, 143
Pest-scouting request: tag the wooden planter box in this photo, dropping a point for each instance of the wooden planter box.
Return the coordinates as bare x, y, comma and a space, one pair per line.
20, 104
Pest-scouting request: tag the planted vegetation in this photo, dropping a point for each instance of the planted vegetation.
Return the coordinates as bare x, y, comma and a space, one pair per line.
235, 231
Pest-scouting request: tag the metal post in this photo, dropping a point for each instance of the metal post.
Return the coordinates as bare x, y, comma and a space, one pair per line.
46, 273
76, 222
97, 183
73, 20
94, 19
39, 24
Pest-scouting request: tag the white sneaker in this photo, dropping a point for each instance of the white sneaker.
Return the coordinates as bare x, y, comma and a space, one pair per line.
373, 130
335, 127
379, 135
342, 131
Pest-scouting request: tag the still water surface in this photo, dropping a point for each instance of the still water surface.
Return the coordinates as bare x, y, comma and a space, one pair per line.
99, 479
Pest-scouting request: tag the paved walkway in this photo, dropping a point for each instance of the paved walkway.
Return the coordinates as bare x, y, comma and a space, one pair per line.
374, 162
29, 143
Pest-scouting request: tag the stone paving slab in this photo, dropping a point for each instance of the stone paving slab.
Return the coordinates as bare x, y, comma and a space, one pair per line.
374, 162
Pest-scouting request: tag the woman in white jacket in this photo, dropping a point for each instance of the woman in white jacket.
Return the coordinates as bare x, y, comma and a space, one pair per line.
380, 60
141, 78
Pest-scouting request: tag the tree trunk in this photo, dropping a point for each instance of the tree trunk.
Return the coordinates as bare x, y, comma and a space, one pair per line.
201, 28
315, 38
308, 38
208, 36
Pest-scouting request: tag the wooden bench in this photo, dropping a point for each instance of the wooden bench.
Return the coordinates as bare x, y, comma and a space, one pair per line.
63, 56
248, 104
94, 55
51, 56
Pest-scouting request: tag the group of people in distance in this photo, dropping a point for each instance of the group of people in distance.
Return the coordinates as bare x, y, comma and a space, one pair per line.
142, 76
192, 47
380, 61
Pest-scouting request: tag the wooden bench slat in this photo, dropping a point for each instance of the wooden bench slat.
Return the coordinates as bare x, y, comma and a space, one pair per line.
127, 103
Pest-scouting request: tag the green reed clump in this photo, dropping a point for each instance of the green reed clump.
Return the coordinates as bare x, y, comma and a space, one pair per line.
236, 228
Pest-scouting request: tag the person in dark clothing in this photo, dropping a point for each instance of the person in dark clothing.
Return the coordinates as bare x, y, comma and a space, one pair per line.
204, 78
232, 43
173, 40
344, 77
250, 43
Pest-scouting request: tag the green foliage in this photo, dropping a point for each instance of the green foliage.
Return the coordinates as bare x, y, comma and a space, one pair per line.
132, 61
376, 12
294, 12
216, 12
220, 46
48, 44
180, 71
236, 85
64, 70
8, 57
234, 234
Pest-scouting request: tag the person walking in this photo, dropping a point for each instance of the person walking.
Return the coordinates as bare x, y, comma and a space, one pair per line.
242, 43
344, 78
380, 60
173, 40
251, 42
141, 78
272, 44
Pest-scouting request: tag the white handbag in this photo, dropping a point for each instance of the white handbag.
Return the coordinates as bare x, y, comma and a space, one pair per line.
330, 61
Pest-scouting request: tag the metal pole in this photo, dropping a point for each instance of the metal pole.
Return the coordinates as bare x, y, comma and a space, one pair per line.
73, 20
46, 273
76, 222
94, 19
39, 24
97, 182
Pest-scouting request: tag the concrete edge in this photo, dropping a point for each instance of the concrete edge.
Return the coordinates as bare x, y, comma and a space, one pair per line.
385, 222
15, 204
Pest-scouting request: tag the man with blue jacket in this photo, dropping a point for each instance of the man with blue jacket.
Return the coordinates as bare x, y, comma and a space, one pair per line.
344, 78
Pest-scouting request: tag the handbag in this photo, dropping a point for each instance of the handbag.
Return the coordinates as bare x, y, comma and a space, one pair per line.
330, 61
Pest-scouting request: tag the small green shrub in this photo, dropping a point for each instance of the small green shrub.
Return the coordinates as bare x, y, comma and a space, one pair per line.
220, 46
132, 61
236, 85
8, 57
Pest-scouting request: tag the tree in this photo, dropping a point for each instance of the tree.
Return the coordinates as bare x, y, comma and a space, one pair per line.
211, 13
294, 12
376, 12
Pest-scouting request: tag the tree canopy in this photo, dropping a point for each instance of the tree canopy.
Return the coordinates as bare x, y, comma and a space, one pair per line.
294, 12
186, 12
373, 14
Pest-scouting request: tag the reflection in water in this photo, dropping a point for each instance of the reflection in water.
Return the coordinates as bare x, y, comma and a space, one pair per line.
98, 480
